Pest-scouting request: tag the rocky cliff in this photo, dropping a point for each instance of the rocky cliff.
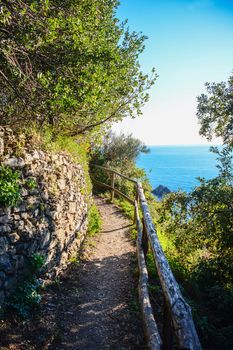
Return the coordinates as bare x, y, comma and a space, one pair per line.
161, 191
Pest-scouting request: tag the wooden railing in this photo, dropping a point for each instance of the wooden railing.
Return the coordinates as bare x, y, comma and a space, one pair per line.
177, 318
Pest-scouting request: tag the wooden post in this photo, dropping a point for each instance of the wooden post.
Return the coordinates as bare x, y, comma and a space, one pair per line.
135, 216
152, 335
112, 185
144, 239
167, 328
135, 207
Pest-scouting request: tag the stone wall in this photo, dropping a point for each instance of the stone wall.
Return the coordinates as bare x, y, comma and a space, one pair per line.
51, 217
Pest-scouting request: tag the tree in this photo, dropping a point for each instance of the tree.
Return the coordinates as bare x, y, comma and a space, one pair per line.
215, 111
119, 152
69, 64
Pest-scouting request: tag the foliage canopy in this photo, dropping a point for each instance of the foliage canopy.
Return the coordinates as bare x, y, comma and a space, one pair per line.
215, 111
119, 152
70, 64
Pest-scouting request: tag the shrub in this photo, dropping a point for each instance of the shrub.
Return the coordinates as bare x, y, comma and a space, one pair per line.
27, 294
119, 152
36, 262
200, 226
31, 183
9, 186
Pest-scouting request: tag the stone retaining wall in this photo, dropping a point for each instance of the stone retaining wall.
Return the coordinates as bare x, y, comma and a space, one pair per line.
51, 218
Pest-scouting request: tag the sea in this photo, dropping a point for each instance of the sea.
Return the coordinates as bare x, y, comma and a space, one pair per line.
178, 167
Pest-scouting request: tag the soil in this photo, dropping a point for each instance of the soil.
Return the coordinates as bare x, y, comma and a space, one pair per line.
94, 305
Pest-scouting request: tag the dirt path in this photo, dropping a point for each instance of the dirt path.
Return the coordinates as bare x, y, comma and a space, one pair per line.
94, 306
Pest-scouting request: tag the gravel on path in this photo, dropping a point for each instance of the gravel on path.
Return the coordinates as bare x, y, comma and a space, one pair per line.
105, 316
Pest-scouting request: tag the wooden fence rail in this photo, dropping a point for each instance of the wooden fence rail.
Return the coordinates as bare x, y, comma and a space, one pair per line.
177, 319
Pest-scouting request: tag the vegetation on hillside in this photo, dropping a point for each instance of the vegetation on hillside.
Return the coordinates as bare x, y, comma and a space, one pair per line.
195, 229
200, 226
119, 152
69, 64
70, 69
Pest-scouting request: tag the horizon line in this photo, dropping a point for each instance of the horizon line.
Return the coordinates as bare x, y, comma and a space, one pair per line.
184, 144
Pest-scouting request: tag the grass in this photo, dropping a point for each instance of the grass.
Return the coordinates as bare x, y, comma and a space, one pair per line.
94, 221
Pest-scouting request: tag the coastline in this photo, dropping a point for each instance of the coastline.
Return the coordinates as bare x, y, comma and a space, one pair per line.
178, 167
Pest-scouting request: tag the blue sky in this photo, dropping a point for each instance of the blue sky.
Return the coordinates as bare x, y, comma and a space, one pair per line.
189, 43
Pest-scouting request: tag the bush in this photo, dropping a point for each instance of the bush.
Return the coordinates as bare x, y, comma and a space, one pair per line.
200, 226
119, 152
31, 183
27, 294
36, 262
9, 186
25, 297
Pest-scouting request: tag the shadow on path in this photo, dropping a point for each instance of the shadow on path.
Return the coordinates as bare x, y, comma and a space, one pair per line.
118, 229
99, 307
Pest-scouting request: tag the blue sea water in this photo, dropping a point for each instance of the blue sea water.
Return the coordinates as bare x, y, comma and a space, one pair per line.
178, 167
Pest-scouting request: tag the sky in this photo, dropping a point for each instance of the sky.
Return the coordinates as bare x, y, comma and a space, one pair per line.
189, 43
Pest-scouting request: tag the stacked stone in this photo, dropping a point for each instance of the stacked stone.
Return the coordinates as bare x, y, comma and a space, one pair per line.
51, 218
